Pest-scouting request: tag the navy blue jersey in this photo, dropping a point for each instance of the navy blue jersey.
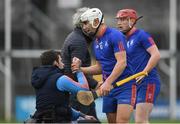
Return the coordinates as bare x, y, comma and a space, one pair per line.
137, 45
105, 48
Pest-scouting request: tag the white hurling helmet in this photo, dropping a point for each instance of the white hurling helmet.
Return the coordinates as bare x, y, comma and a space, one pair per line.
92, 14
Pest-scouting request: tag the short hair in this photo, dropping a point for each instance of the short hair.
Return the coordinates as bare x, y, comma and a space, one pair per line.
48, 57
77, 16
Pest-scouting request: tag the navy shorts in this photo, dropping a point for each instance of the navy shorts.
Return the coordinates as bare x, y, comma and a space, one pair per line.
119, 95
147, 91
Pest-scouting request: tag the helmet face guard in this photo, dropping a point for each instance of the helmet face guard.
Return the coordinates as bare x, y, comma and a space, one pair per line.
90, 15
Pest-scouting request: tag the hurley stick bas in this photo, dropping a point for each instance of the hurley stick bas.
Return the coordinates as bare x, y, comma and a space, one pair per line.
87, 97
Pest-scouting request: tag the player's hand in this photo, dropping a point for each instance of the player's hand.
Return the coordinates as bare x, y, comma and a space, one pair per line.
98, 85
76, 64
88, 117
105, 88
139, 79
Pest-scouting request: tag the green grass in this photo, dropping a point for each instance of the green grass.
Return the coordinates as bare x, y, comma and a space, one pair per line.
12, 121
152, 121
164, 121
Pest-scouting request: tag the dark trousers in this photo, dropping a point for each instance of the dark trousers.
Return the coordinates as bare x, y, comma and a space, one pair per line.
52, 115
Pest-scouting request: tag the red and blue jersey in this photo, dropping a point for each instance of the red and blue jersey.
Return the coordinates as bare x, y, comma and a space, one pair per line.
105, 48
137, 44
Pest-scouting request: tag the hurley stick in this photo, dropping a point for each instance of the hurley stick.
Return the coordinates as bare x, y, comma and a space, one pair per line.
87, 97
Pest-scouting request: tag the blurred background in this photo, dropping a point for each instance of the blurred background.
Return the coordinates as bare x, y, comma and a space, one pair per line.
28, 27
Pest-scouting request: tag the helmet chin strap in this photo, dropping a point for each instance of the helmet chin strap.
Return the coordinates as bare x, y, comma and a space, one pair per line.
131, 26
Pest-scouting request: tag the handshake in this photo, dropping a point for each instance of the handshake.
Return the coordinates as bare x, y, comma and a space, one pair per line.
76, 64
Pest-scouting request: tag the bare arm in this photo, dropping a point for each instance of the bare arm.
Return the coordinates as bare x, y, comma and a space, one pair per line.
155, 57
117, 71
93, 70
119, 67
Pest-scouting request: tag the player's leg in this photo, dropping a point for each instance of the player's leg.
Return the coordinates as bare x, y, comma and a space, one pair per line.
146, 96
126, 102
111, 117
142, 113
110, 107
124, 112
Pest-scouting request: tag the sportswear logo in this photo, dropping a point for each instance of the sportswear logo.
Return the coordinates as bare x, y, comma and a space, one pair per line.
101, 45
130, 43
97, 46
106, 44
125, 100
149, 96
